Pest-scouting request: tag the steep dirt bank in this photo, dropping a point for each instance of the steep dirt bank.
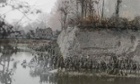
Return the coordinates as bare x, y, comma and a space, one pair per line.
99, 44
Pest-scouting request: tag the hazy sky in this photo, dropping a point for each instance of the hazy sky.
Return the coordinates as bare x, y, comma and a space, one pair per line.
44, 5
129, 9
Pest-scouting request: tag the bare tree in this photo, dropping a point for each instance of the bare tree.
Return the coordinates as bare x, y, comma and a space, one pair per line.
64, 10
23, 7
103, 8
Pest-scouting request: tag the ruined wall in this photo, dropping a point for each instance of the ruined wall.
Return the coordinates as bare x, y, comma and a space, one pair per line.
99, 43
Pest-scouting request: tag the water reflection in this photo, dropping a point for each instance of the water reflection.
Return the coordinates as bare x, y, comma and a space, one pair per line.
95, 80
18, 67
5, 59
40, 67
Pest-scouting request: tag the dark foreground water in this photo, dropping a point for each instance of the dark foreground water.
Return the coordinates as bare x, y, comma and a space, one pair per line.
23, 68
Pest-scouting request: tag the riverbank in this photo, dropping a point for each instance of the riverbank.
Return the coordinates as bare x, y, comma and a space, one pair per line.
50, 51
95, 74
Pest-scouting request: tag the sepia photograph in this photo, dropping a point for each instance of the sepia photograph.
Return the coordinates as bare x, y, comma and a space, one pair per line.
69, 41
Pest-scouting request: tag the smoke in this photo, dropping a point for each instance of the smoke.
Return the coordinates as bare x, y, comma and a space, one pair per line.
128, 9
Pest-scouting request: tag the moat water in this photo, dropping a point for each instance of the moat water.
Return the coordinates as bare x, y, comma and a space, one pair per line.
22, 68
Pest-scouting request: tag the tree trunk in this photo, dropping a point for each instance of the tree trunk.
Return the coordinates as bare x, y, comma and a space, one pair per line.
118, 8
103, 9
